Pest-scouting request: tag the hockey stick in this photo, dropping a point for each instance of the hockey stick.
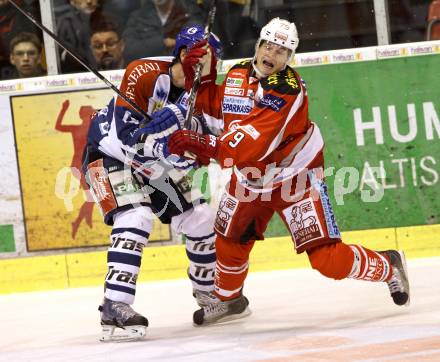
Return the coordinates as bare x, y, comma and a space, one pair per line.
79, 60
198, 72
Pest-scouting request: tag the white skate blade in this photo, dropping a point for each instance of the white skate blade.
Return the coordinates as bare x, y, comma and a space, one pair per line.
127, 334
402, 255
226, 319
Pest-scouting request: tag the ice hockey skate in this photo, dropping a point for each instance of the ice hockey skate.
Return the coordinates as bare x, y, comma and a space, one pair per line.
204, 298
120, 323
398, 284
222, 311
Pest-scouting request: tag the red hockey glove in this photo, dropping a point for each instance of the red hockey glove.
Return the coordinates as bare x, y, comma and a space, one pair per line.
203, 146
192, 58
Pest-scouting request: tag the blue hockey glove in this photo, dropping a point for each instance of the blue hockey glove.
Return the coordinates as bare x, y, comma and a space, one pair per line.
164, 122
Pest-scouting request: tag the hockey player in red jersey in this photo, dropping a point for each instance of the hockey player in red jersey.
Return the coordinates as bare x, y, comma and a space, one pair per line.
133, 177
259, 124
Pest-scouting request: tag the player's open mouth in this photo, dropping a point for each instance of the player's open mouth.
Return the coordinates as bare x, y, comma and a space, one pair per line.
268, 64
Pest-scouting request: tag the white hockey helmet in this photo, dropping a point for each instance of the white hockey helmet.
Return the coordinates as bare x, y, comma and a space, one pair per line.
281, 32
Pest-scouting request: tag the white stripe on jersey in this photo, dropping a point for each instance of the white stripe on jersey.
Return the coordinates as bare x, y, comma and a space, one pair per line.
303, 158
279, 137
274, 177
159, 97
287, 161
111, 145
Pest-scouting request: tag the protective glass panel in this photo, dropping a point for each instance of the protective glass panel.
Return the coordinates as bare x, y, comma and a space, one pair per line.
93, 29
321, 24
409, 20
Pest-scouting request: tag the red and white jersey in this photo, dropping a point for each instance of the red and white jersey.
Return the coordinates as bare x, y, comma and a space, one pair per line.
147, 82
263, 125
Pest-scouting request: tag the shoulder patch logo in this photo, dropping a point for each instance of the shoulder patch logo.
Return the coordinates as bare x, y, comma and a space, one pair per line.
271, 101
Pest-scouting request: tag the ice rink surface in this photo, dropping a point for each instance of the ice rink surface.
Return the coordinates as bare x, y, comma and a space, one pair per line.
298, 315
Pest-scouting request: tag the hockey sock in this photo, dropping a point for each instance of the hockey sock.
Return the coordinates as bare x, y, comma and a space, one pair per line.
201, 254
339, 261
130, 233
231, 268
124, 260
369, 265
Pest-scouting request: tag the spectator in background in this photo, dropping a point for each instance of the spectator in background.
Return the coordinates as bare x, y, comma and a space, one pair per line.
13, 22
73, 29
152, 30
121, 9
234, 26
107, 45
404, 21
25, 56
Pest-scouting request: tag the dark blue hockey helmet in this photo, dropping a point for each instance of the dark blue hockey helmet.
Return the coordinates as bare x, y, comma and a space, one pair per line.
192, 34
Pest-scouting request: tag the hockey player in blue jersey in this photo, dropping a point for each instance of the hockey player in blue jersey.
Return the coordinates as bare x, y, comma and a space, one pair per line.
133, 177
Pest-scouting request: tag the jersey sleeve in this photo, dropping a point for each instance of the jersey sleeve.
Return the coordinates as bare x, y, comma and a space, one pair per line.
208, 105
138, 84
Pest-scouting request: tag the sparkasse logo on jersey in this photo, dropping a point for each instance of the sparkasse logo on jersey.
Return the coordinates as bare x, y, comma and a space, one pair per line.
237, 105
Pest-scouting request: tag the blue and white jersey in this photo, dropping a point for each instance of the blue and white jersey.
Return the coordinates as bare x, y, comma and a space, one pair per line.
115, 129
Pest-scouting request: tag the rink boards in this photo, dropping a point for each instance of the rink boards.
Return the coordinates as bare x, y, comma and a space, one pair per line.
170, 262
